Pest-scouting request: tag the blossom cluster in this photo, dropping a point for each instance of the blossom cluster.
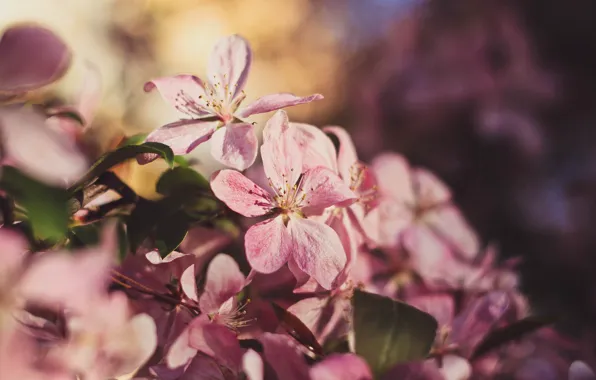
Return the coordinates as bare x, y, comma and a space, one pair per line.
309, 265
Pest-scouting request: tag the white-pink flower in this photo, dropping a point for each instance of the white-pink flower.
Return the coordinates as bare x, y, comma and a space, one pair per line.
296, 194
210, 109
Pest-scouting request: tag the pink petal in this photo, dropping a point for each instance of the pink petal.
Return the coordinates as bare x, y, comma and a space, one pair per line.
282, 162
89, 95
317, 250
430, 189
284, 357
201, 368
39, 151
186, 93
224, 280
449, 223
440, 306
341, 366
477, 319
240, 193
188, 283
268, 245
235, 146
181, 136
346, 156
229, 65
455, 368
13, 249
432, 258
219, 342
323, 189
143, 330
67, 280
181, 352
274, 102
580, 371
393, 175
32, 57
317, 146
253, 365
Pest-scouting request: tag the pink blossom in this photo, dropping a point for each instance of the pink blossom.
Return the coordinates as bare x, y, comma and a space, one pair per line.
288, 234
40, 152
416, 213
580, 371
201, 338
223, 282
31, 57
210, 110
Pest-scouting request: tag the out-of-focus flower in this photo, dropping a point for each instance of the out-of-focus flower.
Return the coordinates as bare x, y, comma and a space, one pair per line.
213, 107
416, 213
30, 57
312, 246
580, 371
31, 146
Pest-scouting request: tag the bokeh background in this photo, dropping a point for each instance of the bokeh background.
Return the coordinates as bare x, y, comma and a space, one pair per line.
498, 97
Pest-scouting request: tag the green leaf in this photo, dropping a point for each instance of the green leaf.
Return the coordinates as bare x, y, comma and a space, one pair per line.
46, 206
115, 157
163, 220
181, 180
182, 161
170, 232
506, 334
134, 140
66, 112
388, 332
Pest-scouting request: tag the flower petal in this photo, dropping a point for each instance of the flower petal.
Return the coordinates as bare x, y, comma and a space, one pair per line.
229, 65
430, 190
322, 189
224, 280
317, 250
284, 357
181, 351
188, 283
181, 136
268, 245
440, 306
346, 157
186, 93
580, 371
39, 151
317, 146
240, 193
394, 178
274, 102
477, 319
341, 366
449, 223
219, 342
235, 145
253, 365
282, 162
32, 57
13, 249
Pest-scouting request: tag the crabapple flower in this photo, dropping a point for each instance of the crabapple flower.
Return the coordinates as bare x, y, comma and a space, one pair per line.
31, 146
580, 371
288, 234
416, 212
30, 57
210, 109
224, 281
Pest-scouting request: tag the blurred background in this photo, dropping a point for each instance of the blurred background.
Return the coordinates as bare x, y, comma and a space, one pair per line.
498, 97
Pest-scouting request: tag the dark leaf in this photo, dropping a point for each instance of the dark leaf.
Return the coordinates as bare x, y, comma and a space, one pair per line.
170, 232
134, 140
388, 332
181, 180
46, 206
506, 334
297, 330
120, 155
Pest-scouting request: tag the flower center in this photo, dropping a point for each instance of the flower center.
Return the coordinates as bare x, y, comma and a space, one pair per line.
289, 198
233, 319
